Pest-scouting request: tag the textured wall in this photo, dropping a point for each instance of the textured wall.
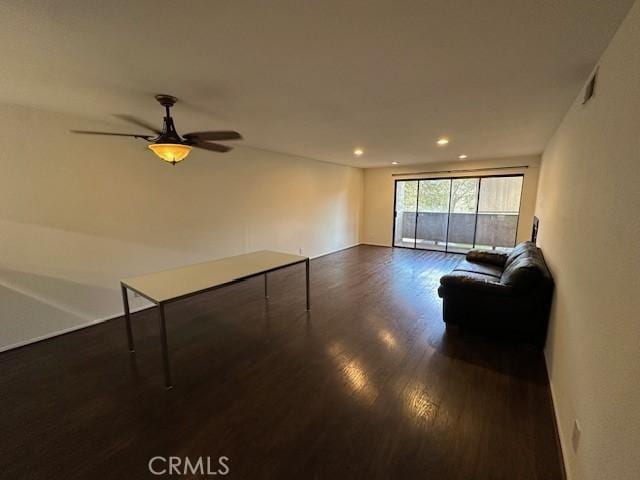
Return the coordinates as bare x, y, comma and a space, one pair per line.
589, 209
77, 213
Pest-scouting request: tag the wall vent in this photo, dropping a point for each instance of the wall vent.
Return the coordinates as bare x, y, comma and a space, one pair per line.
590, 89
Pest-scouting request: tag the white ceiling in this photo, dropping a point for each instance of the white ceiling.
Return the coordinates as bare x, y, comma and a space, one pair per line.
316, 78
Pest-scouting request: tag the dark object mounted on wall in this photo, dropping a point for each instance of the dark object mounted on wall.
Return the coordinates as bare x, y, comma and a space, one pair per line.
590, 88
534, 230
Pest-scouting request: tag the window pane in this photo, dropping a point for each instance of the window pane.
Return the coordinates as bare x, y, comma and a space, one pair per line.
498, 210
462, 220
433, 214
500, 194
405, 221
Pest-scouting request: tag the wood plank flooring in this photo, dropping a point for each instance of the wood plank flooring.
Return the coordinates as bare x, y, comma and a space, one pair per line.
367, 385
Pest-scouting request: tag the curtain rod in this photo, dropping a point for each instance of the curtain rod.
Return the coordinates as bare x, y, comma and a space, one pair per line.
460, 171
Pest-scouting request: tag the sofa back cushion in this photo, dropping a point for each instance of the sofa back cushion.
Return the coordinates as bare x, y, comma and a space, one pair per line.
521, 250
525, 267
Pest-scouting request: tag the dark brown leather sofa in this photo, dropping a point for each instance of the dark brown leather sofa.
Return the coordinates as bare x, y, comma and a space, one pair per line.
509, 294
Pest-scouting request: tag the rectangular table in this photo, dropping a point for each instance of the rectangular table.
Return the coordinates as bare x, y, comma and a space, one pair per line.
169, 286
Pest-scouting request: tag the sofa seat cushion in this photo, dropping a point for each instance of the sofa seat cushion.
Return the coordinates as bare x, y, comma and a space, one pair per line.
481, 268
470, 282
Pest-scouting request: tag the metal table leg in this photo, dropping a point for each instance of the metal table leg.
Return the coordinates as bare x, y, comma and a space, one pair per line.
127, 316
307, 271
165, 349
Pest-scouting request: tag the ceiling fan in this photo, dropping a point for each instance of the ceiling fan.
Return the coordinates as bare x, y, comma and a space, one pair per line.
167, 143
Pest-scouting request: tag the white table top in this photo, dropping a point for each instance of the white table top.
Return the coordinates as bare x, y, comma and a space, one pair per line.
170, 284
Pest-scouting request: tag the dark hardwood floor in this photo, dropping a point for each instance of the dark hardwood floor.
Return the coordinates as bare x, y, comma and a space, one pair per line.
367, 385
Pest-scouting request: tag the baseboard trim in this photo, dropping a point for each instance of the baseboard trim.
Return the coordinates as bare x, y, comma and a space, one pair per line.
98, 321
65, 331
335, 251
556, 423
374, 244
409, 248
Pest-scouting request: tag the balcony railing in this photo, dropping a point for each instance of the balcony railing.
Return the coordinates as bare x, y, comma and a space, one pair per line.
491, 229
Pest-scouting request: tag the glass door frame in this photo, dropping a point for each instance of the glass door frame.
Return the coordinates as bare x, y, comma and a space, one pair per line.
424, 237
475, 230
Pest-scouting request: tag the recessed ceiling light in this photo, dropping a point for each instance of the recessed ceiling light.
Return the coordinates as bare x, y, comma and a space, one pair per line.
442, 141
395, 163
462, 157
358, 152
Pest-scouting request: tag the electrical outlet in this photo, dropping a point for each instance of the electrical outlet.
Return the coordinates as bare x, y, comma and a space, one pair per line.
300, 251
575, 436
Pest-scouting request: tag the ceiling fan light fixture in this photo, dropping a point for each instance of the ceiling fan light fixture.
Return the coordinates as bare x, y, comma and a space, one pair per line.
170, 152
167, 144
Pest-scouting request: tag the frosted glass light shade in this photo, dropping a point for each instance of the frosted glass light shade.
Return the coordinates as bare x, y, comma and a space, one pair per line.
170, 152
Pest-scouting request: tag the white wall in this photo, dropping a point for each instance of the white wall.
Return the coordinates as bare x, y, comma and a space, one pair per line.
377, 225
589, 210
77, 213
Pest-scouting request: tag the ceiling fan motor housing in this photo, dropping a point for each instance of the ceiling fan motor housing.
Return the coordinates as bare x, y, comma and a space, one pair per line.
169, 133
166, 100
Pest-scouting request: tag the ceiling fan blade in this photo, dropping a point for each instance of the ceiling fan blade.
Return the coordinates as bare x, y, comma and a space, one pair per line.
134, 135
214, 147
221, 135
140, 123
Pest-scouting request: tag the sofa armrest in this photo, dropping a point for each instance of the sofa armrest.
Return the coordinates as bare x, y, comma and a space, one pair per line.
484, 256
467, 282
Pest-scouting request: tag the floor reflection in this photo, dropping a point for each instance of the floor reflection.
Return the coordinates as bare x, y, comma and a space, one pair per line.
387, 338
418, 404
354, 373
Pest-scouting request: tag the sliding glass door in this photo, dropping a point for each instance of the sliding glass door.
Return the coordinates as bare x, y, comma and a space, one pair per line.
406, 207
433, 214
463, 214
457, 214
498, 212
